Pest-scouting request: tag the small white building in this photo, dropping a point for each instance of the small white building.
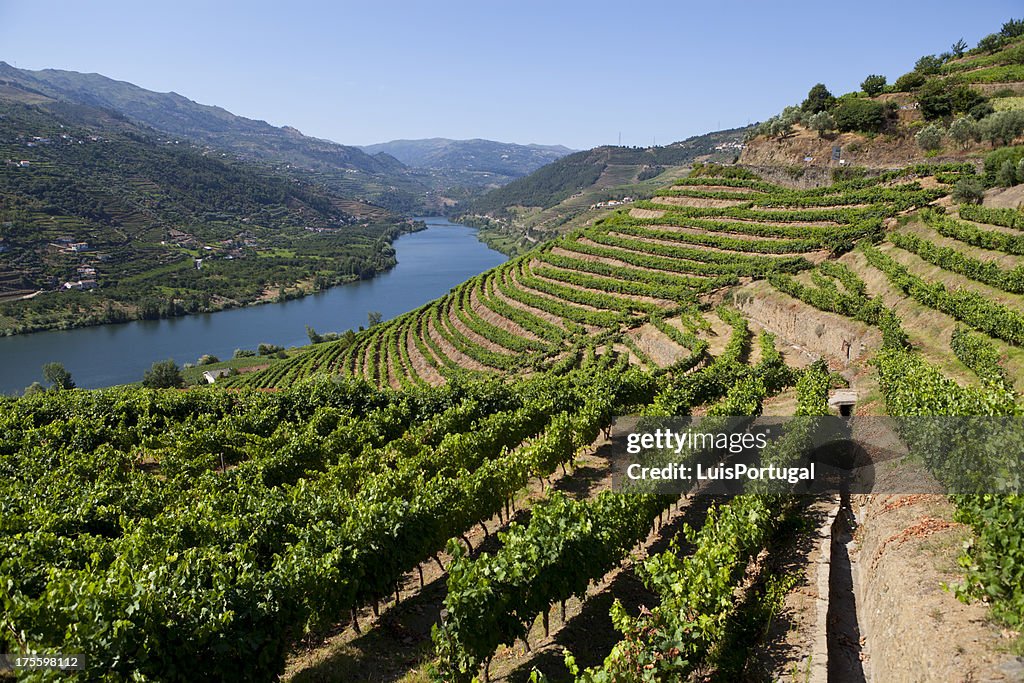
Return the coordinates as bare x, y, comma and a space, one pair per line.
212, 376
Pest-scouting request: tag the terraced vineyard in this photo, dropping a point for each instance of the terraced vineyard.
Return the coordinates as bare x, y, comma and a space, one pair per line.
633, 281
373, 474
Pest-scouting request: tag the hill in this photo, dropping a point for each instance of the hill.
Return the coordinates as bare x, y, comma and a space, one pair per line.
456, 494
950, 107
546, 202
103, 221
475, 156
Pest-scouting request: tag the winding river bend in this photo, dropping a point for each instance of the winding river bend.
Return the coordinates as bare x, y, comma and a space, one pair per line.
430, 263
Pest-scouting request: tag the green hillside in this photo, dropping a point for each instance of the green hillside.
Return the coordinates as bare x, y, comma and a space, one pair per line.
440, 497
153, 228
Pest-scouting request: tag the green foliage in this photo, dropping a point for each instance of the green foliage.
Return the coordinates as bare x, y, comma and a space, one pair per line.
929, 138
964, 130
979, 354
955, 261
58, 376
928, 65
163, 375
910, 81
819, 99
968, 191
1010, 218
860, 115
873, 85
998, 160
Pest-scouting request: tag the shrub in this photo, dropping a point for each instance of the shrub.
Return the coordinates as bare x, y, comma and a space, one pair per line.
910, 81
244, 353
873, 84
163, 375
929, 138
964, 130
268, 349
818, 99
207, 359
964, 99
994, 161
935, 100
859, 115
968, 190
928, 65
990, 43
821, 122
1006, 176
980, 111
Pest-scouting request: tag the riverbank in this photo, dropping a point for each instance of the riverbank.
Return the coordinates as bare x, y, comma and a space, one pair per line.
90, 308
430, 262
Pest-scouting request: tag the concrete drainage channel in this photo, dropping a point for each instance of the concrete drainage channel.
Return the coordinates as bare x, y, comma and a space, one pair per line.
838, 653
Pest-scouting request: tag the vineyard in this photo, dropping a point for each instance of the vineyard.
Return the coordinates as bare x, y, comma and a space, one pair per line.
447, 467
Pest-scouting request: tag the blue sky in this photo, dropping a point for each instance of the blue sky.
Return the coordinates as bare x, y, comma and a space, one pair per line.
555, 72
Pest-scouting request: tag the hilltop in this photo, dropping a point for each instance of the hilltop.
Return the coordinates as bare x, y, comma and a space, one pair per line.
484, 157
583, 185
412, 177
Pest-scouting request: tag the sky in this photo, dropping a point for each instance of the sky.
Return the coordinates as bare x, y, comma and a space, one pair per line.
564, 72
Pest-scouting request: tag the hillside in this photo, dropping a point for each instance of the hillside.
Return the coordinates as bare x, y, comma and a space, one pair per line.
101, 221
502, 485
435, 174
546, 202
474, 156
949, 108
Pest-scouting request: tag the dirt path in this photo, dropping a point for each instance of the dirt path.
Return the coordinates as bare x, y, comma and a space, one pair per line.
498, 320
420, 365
456, 356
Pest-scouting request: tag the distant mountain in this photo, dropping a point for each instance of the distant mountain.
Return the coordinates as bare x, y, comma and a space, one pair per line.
177, 115
345, 169
154, 227
604, 167
487, 156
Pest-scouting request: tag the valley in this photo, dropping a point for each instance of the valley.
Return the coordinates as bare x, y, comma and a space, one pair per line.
439, 495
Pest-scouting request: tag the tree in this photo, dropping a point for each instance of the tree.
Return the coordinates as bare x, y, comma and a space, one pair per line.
1007, 174
859, 115
1020, 171
935, 100
58, 376
963, 131
959, 48
818, 99
34, 388
821, 122
968, 190
314, 336
910, 81
965, 99
1012, 28
163, 374
929, 138
928, 65
374, 318
873, 85
990, 43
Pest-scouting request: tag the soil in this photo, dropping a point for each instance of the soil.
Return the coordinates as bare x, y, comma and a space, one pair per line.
699, 202
420, 365
657, 345
804, 328
498, 320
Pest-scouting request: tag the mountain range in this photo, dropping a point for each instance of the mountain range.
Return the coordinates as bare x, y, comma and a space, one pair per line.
409, 176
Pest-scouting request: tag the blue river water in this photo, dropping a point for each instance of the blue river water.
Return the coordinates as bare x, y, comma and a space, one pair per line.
430, 263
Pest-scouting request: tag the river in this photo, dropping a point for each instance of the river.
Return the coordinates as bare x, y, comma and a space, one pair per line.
430, 262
